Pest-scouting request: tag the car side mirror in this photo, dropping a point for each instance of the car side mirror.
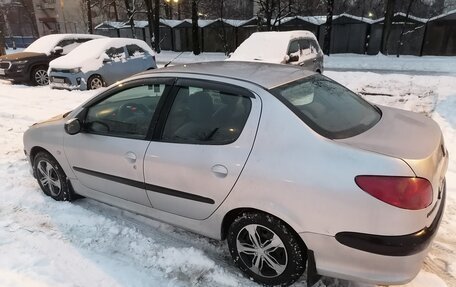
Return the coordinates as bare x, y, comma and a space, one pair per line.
293, 58
57, 50
73, 126
106, 58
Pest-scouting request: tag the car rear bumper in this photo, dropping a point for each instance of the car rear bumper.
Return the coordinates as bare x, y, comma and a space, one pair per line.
402, 245
376, 259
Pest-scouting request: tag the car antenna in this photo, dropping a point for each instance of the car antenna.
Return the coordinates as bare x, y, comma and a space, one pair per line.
174, 59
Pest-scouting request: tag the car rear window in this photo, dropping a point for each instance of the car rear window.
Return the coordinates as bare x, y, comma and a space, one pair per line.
327, 107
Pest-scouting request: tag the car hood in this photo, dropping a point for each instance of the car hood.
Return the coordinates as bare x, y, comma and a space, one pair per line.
53, 119
21, 56
400, 134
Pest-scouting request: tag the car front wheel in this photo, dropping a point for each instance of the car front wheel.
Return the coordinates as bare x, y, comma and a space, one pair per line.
266, 249
95, 82
40, 76
51, 178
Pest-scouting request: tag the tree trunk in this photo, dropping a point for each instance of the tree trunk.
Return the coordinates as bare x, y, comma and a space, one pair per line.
157, 26
130, 14
2, 34
328, 26
387, 25
399, 43
150, 19
195, 35
89, 17
224, 40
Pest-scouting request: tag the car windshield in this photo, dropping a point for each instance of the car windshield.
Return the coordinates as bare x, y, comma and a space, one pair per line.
43, 45
328, 108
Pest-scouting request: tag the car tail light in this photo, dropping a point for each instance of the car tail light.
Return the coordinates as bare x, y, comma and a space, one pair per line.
405, 192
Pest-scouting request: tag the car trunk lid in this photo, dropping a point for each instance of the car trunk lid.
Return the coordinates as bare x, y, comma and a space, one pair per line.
414, 138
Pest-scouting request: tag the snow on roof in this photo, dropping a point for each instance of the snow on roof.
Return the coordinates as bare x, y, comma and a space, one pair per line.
358, 18
47, 43
91, 51
411, 17
267, 46
443, 15
173, 23
109, 25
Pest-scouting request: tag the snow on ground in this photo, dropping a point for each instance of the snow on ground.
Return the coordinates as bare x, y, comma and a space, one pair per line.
85, 243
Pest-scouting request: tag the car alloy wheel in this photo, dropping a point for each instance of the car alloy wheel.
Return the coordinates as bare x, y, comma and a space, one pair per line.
96, 82
49, 178
41, 77
261, 250
266, 249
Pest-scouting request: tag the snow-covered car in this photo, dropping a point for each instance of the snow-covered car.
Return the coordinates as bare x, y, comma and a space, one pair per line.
100, 63
31, 65
287, 165
298, 48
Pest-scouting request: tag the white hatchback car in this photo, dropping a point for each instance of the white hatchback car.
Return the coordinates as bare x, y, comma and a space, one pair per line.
287, 165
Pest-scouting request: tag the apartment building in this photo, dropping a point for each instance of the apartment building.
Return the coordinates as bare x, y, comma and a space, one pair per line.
60, 16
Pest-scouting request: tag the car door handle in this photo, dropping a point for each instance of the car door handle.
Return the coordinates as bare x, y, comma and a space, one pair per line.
220, 170
131, 157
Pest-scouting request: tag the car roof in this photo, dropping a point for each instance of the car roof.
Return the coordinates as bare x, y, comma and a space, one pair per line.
266, 75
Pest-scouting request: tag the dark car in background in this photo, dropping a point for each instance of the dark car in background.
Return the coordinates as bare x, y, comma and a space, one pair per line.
30, 66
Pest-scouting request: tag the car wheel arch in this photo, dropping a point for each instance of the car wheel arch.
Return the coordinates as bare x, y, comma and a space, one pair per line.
231, 215
35, 150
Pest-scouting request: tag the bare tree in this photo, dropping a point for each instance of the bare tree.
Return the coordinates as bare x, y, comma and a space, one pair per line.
328, 26
89, 16
399, 42
387, 25
195, 29
273, 11
150, 19
131, 10
157, 26
2, 33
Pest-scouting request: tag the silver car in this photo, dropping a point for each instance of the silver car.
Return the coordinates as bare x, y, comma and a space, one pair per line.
287, 165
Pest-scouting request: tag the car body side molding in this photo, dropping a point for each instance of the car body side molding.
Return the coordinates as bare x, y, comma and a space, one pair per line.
150, 187
402, 245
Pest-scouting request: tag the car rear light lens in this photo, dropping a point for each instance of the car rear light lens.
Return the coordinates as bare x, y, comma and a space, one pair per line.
405, 192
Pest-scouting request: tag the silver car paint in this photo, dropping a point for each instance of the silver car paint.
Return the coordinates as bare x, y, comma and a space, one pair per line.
320, 202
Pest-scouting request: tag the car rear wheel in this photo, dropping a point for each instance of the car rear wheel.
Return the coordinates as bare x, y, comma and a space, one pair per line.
95, 82
266, 249
40, 76
51, 178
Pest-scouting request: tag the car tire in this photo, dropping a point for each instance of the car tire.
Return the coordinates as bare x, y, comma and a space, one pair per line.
51, 177
95, 82
280, 265
39, 76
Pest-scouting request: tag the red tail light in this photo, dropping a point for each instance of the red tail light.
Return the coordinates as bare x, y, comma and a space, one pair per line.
405, 192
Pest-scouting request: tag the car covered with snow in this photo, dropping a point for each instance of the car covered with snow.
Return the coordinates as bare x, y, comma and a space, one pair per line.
298, 48
100, 63
31, 65
292, 168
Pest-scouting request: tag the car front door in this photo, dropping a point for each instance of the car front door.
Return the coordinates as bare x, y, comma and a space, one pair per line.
115, 66
201, 148
107, 157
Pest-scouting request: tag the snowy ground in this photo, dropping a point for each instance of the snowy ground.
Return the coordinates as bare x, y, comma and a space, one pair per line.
85, 243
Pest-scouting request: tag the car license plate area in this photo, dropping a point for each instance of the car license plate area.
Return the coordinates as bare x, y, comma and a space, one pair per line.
59, 80
2, 72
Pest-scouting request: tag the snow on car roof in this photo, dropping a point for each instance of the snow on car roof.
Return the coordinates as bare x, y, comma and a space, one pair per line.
267, 46
45, 44
91, 52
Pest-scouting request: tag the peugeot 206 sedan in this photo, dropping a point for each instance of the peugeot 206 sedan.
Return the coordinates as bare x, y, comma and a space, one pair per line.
287, 165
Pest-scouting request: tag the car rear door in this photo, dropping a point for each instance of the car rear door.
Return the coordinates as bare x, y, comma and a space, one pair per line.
107, 157
116, 68
201, 148
307, 55
138, 59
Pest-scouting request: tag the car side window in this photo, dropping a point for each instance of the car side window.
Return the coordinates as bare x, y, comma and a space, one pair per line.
294, 47
204, 116
135, 51
116, 54
67, 45
127, 113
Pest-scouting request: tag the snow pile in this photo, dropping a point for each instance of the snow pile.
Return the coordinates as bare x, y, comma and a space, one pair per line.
44, 243
413, 64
